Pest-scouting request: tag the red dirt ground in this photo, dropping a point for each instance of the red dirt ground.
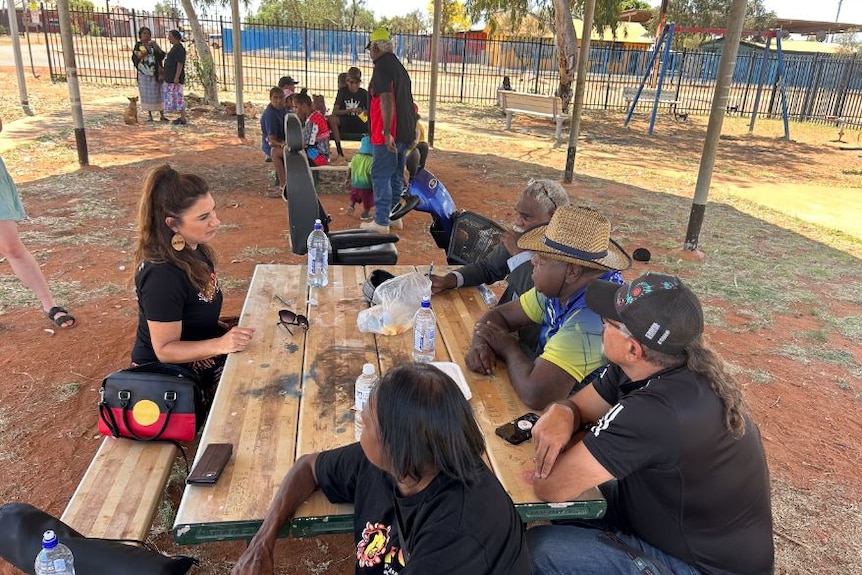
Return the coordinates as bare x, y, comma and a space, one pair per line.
48, 393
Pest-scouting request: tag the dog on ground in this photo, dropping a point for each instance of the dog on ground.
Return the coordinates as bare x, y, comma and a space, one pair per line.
130, 116
249, 110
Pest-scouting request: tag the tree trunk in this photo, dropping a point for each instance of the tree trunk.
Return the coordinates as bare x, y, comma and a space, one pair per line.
205, 66
567, 50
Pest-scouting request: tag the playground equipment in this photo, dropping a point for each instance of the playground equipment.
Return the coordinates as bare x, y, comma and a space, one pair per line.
663, 45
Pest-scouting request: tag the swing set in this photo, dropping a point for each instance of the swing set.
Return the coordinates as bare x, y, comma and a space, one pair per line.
663, 44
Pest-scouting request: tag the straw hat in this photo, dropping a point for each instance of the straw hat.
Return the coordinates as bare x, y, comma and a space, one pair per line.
577, 235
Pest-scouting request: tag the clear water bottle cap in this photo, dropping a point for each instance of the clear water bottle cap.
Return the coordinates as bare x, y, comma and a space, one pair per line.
426, 301
318, 225
49, 540
368, 369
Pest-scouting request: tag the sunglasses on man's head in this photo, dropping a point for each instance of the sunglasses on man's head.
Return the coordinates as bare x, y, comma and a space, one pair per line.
287, 318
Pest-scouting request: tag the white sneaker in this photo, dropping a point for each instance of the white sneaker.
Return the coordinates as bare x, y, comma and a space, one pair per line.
374, 227
397, 224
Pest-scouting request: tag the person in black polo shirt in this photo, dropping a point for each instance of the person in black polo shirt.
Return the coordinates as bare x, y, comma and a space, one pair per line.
670, 425
392, 127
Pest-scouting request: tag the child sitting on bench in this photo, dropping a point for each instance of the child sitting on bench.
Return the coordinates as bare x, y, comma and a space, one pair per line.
315, 130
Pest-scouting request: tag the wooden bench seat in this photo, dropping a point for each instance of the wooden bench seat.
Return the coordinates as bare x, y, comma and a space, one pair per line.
647, 97
534, 105
119, 495
330, 168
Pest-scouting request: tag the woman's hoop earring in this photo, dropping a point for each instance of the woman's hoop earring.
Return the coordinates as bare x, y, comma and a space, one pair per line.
178, 242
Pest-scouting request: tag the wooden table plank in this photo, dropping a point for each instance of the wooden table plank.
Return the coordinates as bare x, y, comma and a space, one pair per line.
334, 354
495, 403
255, 408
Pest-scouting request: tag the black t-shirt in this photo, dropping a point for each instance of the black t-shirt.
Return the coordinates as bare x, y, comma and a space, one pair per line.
390, 76
686, 485
449, 527
166, 294
347, 100
176, 55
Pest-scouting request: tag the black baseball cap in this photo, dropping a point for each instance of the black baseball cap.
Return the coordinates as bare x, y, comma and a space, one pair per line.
659, 310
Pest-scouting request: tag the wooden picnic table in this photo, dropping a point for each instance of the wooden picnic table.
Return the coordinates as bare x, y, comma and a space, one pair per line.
288, 395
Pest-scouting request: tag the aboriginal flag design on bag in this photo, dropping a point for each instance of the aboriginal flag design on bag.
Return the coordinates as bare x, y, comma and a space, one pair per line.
151, 402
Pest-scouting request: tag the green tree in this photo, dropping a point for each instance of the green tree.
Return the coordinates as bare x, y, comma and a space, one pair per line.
166, 9
352, 14
413, 22
712, 14
74, 5
560, 13
454, 17
634, 5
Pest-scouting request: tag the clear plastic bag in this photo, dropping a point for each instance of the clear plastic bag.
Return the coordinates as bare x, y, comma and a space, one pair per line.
394, 305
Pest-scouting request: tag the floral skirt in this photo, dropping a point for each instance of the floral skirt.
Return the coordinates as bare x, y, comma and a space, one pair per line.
172, 97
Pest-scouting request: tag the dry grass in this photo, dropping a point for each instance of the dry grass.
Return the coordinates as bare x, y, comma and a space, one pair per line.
816, 530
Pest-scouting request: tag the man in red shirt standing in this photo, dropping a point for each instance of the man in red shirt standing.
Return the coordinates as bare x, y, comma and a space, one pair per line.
392, 129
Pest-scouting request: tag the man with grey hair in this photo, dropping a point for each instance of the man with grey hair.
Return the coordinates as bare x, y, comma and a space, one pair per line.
535, 206
392, 127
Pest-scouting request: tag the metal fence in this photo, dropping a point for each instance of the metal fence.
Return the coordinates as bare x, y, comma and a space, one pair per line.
471, 66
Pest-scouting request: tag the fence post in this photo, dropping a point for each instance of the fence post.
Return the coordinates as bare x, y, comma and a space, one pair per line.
747, 82
47, 43
838, 110
538, 55
608, 75
811, 89
307, 50
223, 63
463, 67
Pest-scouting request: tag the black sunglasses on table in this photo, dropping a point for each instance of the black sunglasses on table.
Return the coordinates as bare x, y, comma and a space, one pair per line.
287, 318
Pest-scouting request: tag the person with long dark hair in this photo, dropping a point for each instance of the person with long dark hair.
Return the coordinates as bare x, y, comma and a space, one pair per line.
424, 499
148, 57
179, 299
670, 440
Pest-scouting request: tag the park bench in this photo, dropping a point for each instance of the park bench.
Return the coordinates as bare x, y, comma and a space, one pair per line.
119, 495
647, 97
534, 105
839, 123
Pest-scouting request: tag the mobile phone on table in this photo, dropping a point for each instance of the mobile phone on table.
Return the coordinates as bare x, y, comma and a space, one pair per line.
518, 430
209, 467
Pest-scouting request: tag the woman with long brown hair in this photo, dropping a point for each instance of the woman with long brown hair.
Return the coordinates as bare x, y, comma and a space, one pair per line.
179, 299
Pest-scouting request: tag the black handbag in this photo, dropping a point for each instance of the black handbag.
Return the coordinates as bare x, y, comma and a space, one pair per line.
155, 401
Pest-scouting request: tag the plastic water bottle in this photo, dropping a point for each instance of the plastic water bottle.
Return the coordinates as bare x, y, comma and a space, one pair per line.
54, 558
361, 393
424, 332
488, 295
318, 257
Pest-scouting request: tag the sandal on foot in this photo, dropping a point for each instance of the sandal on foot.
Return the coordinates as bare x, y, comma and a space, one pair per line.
350, 209
60, 316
